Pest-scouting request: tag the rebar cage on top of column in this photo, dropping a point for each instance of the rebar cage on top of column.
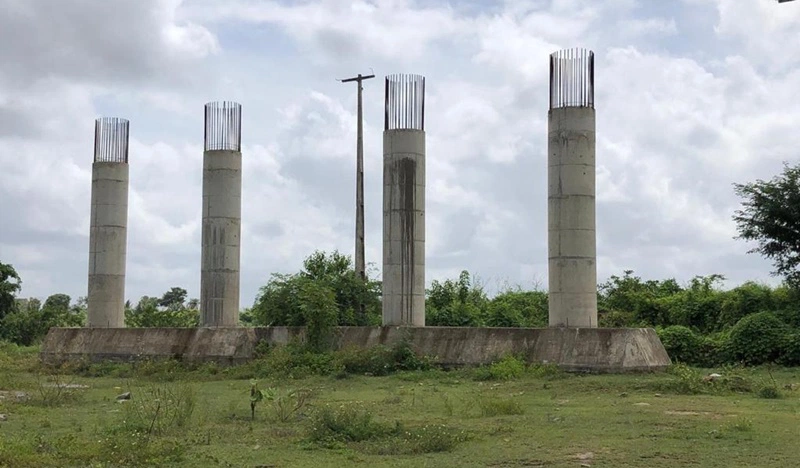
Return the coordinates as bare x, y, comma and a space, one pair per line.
111, 140
223, 126
572, 78
404, 106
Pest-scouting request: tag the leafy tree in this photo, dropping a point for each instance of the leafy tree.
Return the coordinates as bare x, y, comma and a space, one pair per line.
279, 301
336, 271
173, 299
10, 285
57, 312
31, 320
770, 216
632, 300
698, 306
744, 300
455, 303
318, 306
758, 338
246, 317
149, 312
518, 309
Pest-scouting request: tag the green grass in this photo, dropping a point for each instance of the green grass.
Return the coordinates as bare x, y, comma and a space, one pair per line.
530, 417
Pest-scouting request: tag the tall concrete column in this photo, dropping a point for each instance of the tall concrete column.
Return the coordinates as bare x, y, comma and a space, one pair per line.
222, 215
108, 224
572, 262
404, 201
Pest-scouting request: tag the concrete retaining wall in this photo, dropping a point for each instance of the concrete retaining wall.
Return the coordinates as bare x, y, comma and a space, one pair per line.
573, 349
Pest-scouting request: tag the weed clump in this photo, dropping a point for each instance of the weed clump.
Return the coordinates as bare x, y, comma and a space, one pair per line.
157, 409
508, 368
355, 426
347, 424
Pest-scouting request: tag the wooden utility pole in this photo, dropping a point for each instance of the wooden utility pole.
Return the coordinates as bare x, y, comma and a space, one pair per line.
359, 263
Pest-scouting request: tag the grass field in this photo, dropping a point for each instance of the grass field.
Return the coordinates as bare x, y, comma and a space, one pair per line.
501, 416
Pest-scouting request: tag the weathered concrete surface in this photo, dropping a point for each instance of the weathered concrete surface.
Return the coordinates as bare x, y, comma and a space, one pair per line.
572, 248
107, 245
223, 345
221, 234
573, 349
404, 227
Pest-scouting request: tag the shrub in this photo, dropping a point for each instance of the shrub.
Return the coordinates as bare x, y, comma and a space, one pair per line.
426, 439
769, 392
503, 314
347, 424
517, 309
458, 314
284, 403
688, 381
318, 306
379, 360
743, 300
757, 339
616, 319
508, 368
791, 350
156, 409
682, 344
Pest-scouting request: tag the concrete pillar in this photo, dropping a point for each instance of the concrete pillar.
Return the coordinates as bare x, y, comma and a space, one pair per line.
108, 225
572, 259
222, 215
404, 201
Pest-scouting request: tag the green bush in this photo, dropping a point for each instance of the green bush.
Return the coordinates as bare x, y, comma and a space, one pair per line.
682, 344
318, 306
791, 350
434, 438
500, 407
769, 392
757, 339
508, 368
517, 309
279, 302
379, 360
453, 315
743, 300
347, 424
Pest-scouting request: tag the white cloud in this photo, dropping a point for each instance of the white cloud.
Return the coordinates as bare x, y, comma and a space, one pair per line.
674, 130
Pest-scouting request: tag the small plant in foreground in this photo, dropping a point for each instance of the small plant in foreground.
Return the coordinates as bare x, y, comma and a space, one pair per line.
770, 389
348, 424
158, 408
742, 424
285, 403
433, 438
55, 388
500, 407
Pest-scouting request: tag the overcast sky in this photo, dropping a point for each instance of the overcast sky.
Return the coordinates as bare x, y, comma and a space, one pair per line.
691, 96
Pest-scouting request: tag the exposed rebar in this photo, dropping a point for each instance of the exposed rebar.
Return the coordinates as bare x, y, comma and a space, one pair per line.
404, 106
572, 78
223, 126
111, 140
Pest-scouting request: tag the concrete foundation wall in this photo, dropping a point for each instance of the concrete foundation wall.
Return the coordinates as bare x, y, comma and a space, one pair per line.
107, 245
572, 248
404, 227
221, 238
583, 350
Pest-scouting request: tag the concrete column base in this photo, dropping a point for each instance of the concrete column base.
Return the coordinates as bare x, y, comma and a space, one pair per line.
601, 350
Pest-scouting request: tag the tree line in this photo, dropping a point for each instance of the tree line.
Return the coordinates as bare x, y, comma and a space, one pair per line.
699, 322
